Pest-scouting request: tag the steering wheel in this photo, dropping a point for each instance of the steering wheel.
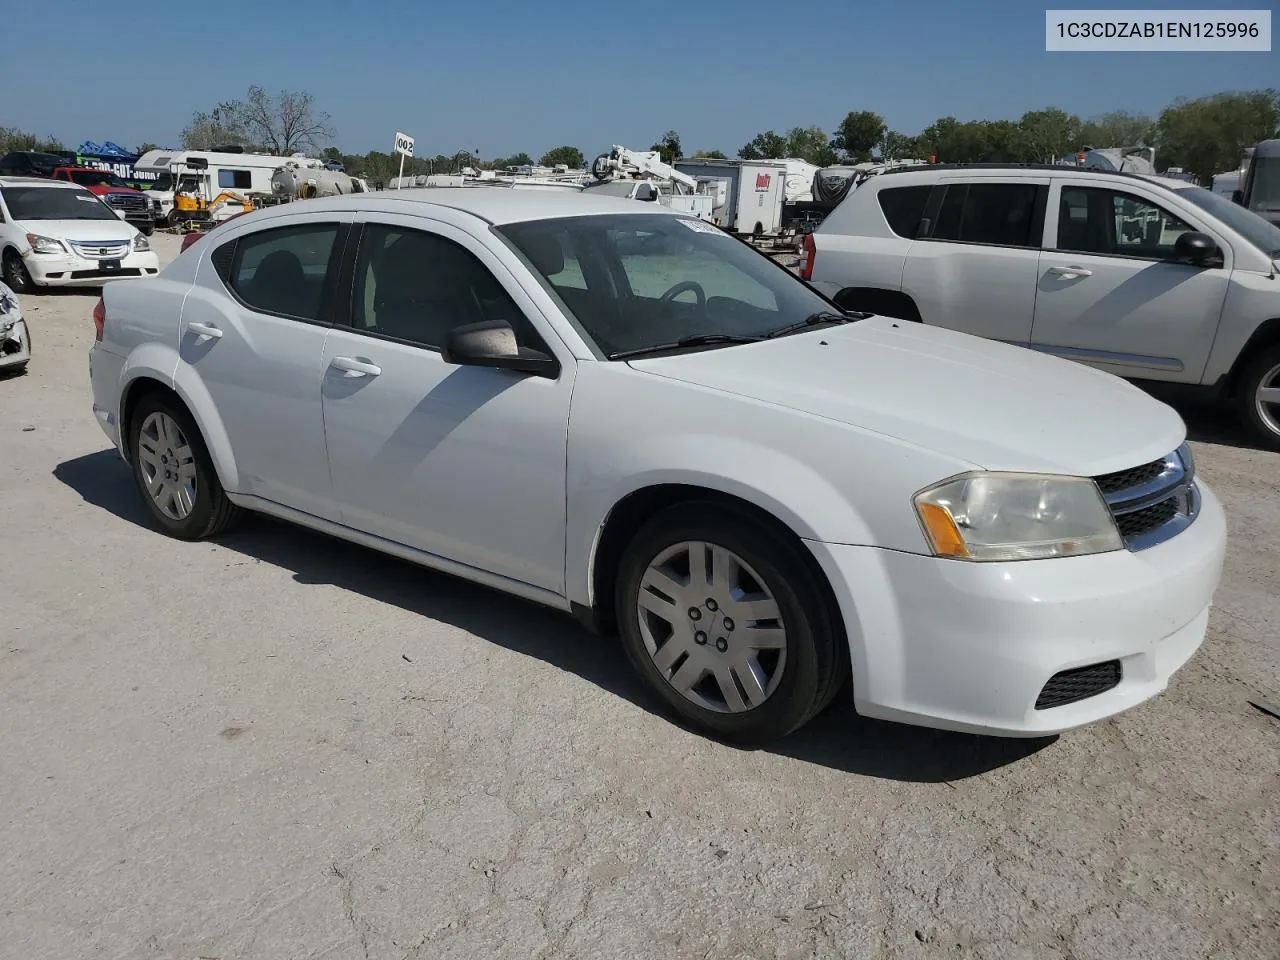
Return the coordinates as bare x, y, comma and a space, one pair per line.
683, 286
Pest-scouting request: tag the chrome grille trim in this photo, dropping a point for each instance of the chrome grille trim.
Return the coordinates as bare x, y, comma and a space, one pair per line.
101, 249
1172, 488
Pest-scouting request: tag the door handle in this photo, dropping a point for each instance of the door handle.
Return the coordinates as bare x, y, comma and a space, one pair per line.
354, 367
1070, 272
204, 330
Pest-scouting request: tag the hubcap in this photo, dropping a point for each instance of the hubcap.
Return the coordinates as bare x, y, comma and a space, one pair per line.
712, 627
1268, 399
168, 466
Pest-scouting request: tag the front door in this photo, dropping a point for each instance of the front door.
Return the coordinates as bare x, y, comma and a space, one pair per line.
1112, 294
467, 463
253, 329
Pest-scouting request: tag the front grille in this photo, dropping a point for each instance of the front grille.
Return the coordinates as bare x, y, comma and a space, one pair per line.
127, 201
1072, 686
103, 250
1154, 501
1133, 477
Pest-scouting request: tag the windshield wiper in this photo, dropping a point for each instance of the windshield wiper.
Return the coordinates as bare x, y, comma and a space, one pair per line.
816, 320
698, 340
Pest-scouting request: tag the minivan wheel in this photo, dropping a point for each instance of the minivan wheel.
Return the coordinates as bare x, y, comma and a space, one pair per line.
174, 472
1259, 397
15, 273
725, 622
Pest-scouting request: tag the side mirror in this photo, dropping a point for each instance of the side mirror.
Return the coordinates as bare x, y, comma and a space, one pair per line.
1198, 249
1237, 196
493, 344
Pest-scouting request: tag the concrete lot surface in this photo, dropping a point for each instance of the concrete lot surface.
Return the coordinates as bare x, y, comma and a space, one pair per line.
280, 746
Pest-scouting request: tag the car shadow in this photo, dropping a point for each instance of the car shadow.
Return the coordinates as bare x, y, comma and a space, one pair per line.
839, 739
1208, 421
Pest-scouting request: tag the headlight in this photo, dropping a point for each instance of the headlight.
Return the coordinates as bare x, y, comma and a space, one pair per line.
6, 326
45, 244
141, 244
1016, 516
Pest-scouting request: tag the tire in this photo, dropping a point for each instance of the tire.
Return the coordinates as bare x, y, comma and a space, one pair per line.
803, 660
148, 229
194, 508
15, 273
1263, 420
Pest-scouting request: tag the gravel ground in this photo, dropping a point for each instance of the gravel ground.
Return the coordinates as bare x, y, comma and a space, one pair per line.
280, 746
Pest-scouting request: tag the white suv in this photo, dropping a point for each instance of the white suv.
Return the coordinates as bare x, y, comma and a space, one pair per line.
626, 413
1145, 277
56, 234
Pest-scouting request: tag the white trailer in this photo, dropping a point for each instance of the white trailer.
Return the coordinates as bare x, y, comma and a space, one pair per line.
749, 193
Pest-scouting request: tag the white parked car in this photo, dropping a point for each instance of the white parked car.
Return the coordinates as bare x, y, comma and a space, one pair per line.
15, 337
624, 413
1146, 277
56, 234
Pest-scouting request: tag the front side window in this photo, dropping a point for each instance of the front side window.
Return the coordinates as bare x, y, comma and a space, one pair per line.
1002, 214
55, 203
641, 281
1114, 223
416, 286
283, 270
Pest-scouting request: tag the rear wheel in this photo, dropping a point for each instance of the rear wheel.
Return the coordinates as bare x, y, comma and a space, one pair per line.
174, 472
1259, 397
725, 621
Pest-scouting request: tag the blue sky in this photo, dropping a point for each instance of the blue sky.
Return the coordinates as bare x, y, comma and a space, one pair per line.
502, 76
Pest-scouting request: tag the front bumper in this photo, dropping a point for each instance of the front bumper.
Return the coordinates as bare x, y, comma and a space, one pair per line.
73, 270
15, 346
971, 646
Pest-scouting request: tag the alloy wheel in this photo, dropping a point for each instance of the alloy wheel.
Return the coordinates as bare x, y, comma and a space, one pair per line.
712, 627
168, 465
1267, 399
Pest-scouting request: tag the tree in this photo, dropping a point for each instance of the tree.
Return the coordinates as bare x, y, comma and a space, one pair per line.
1049, 134
669, 147
283, 123
899, 146
569, 156
1118, 129
859, 133
515, 160
765, 146
811, 144
146, 148
1207, 136
221, 126
709, 155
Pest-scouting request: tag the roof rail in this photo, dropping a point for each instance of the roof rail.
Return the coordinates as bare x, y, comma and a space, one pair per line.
1058, 167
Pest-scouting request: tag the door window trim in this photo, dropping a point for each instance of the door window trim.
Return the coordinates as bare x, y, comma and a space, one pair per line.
344, 310
329, 290
1039, 211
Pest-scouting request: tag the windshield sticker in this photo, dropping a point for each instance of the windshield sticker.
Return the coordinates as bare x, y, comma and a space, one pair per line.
700, 226
89, 199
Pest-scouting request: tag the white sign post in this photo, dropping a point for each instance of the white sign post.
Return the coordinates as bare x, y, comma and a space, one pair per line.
404, 147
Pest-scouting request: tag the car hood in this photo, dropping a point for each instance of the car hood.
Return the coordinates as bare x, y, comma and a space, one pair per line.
116, 229
989, 404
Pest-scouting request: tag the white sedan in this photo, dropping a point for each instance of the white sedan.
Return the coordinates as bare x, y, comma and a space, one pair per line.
631, 416
56, 234
15, 337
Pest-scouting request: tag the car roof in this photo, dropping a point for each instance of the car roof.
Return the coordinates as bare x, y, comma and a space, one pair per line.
1007, 170
495, 205
38, 182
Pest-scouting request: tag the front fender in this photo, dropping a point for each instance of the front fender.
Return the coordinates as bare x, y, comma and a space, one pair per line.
789, 490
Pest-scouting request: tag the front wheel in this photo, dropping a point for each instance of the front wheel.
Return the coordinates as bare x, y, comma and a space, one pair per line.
147, 229
15, 273
174, 472
726, 622
1259, 397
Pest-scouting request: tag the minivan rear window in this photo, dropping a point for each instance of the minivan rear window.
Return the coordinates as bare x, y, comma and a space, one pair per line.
903, 207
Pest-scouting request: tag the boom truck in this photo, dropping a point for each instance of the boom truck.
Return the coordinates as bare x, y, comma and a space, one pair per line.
642, 175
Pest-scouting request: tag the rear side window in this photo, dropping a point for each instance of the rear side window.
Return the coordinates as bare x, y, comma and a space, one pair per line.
235, 179
903, 207
283, 271
1001, 214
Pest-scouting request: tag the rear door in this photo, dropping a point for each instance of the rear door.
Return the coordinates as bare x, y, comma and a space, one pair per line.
974, 265
253, 330
1113, 295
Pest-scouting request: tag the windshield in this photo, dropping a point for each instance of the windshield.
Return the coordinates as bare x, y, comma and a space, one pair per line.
96, 178
162, 182
55, 203
1264, 190
1263, 235
634, 281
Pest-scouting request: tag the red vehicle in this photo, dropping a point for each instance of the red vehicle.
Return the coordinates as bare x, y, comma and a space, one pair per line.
189, 238
136, 205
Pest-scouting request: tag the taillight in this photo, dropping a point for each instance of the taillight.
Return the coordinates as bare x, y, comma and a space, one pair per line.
99, 318
808, 252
